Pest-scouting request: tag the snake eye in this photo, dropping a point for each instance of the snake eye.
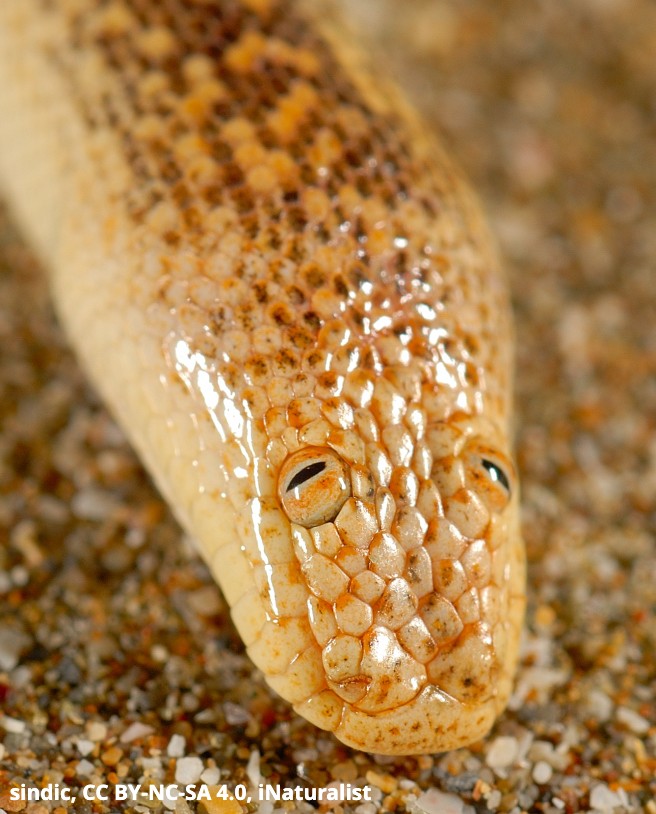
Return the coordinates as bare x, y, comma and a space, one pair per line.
491, 474
497, 474
313, 485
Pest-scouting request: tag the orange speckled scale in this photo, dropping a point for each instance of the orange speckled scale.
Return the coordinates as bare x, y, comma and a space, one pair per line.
286, 294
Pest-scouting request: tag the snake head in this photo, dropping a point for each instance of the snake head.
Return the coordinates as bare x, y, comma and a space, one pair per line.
370, 547
402, 529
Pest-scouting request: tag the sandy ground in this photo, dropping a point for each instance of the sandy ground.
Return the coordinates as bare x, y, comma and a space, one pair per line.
118, 662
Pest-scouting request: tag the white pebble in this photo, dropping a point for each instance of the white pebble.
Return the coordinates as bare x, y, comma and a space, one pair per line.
84, 768
159, 653
96, 731
211, 776
20, 576
176, 747
305, 755
190, 702
92, 504
204, 601
253, 768
542, 772
152, 765
434, 801
235, 715
84, 746
634, 721
21, 677
13, 643
205, 716
603, 799
135, 731
13, 725
168, 802
493, 799
502, 752
188, 770
599, 705
376, 795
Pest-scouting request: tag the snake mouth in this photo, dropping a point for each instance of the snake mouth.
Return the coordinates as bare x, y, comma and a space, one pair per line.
432, 720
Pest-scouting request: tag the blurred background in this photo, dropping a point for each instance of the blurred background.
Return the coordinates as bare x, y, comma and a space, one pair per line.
107, 623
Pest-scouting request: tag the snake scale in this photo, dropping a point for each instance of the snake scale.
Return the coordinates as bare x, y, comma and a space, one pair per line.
288, 298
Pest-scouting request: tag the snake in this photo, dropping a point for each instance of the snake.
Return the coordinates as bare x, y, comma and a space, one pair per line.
287, 295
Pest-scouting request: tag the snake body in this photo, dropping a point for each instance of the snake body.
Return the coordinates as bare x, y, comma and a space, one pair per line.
288, 298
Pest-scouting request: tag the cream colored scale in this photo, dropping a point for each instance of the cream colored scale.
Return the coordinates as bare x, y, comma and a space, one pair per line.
285, 294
